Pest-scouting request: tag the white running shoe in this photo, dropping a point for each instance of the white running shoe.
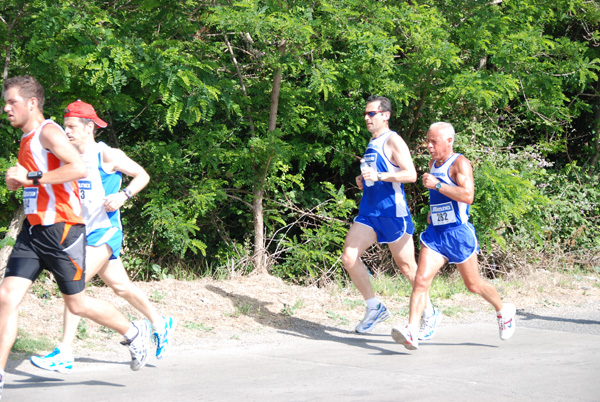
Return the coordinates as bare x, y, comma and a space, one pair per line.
164, 340
1, 385
429, 325
506, 321
404, 337
138, 346
372, 317
57, 360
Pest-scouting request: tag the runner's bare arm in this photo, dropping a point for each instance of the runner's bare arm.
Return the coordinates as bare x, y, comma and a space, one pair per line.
400, 156
461, 173
54, 140
124, 164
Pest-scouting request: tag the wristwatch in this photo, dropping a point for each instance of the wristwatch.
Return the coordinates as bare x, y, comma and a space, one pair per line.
438, 186
379, 176
128, 193
35, 176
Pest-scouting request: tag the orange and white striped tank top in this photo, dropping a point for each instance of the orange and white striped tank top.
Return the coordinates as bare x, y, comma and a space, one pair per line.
47, 204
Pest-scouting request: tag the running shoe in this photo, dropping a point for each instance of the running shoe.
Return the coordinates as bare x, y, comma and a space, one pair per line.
164, 340
1, 385
57, 360
372, 317
404, 337
429, 325
506, 321
138, 346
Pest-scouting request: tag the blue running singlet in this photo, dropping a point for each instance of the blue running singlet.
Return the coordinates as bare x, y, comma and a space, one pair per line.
383, 198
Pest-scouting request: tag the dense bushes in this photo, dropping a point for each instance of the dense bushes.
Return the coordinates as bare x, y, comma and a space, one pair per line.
249, 115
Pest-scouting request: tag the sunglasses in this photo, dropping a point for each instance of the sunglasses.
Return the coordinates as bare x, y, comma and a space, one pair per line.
372, 114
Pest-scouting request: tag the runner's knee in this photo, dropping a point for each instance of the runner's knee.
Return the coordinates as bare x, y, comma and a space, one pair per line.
8, 299
421, 284
348, 260
121, 289
474, 287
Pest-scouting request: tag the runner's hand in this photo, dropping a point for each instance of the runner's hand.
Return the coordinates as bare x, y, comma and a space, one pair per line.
16, 177
112, 202
359, 181
430, 181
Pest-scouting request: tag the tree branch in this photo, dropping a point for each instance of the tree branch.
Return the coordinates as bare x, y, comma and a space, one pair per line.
241, 78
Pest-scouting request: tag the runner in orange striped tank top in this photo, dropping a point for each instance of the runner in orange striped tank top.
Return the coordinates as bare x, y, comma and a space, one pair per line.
49, 204
53, 235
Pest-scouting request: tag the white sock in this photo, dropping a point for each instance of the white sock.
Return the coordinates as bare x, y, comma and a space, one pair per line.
159, 325
65, 348
372, 303
428, 312
131, 332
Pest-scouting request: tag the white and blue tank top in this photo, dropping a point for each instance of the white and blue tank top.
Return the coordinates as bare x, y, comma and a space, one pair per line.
95, 187
446, 213
385, 199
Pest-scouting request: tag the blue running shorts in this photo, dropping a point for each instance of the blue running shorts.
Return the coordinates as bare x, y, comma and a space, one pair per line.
388, 229
457, 245
112, 236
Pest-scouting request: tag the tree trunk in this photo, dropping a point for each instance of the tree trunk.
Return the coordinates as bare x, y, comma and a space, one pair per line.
13, 231
259, 259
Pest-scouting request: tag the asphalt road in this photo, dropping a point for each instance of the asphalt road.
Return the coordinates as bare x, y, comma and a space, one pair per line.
550, 358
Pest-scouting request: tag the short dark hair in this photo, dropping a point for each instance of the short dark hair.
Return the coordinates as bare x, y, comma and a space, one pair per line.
385, 105
85, 122
28, 86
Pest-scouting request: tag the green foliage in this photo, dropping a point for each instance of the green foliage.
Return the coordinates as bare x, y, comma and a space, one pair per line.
572, 215
313, 253
82, 330
289, 310
337, 318
186, 88
506, 204
197, 326
31, 345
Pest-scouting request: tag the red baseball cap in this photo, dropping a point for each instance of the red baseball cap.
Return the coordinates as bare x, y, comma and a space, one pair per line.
85, 110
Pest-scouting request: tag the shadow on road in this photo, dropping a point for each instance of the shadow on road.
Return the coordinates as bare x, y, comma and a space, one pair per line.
41, 381
523, 315
32, 380
294, 326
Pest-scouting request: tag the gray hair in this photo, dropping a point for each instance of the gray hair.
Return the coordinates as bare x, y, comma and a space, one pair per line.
446, 129
384, 103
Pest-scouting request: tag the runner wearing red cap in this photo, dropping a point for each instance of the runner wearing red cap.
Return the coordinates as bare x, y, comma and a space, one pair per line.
101, 198
53, 235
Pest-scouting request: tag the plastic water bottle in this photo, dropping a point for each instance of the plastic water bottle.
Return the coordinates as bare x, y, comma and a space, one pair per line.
365, 166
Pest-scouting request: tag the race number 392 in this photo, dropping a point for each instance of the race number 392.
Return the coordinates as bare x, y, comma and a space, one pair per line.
442, 214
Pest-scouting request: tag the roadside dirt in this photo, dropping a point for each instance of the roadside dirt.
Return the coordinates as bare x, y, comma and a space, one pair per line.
263, 309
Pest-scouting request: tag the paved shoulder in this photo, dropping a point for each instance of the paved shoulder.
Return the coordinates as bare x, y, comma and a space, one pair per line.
463, 362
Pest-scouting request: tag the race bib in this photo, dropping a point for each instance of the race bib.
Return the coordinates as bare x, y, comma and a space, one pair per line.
443, 214
30, 196
84, 185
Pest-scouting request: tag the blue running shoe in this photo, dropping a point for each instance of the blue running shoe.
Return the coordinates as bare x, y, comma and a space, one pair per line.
429, 325
164, 340
372, 317
57, 360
